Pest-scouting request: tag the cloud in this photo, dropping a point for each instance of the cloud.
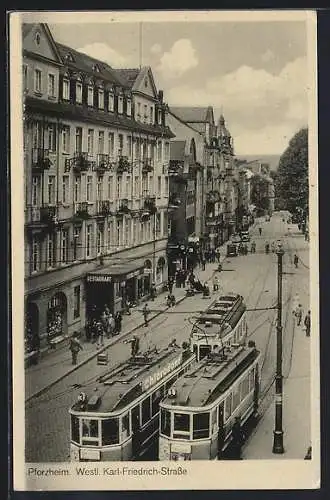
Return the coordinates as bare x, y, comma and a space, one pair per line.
267, 56
181, 58
156, 48
256, 103
272, 139
105, 53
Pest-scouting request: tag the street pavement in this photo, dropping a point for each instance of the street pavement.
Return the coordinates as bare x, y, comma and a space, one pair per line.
254, 276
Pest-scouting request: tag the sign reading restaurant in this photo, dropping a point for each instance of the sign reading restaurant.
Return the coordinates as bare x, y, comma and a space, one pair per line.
99, 278
161, 373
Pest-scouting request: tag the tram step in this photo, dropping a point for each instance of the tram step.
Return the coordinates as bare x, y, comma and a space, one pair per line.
102, 359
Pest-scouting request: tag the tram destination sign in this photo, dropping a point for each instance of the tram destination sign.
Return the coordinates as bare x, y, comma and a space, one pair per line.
99, 278
161, 373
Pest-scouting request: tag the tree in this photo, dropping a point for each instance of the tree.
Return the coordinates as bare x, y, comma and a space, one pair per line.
291, 186
259, 192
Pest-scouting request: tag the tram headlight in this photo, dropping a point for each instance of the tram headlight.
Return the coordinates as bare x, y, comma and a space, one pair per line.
172, 392
82, 398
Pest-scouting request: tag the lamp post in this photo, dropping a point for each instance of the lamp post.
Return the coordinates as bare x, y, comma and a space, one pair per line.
278, 431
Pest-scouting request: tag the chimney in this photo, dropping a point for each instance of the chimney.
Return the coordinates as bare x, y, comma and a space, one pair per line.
160, 95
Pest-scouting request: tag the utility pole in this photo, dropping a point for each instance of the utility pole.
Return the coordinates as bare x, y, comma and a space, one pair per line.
278, 432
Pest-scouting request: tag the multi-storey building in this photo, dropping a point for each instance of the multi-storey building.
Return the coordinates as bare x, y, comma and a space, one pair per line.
96, 186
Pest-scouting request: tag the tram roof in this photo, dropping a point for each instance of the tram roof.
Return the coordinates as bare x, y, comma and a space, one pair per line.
224, 309
129, 379
206, 381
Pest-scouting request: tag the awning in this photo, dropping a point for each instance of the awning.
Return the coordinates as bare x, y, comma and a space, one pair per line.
115, 272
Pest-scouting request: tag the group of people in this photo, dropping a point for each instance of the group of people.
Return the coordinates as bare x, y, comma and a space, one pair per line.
298, 312
107, 324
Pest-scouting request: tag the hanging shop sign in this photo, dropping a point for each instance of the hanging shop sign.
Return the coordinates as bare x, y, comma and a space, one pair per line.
99, 278
147, 270
134, 274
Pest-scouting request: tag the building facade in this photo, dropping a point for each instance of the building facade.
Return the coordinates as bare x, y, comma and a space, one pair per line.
96, 186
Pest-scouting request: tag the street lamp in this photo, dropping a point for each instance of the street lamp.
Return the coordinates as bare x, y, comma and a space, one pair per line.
278, 431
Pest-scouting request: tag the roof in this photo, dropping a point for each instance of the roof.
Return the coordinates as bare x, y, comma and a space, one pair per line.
83, 62
122, 384
204, 382
65, 110
190, 114
129, 75
177, 150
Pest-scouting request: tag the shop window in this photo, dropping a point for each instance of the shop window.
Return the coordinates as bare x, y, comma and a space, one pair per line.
110, 431
165, 422
75, 428
201, 425
146, 413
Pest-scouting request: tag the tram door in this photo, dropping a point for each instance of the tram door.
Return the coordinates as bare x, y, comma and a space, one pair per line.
221, 431
136, 431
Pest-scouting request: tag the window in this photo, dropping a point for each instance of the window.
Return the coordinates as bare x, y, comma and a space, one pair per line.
166, 222
66, 139
251, 379
51, 189
156, 398
151, 185
129, 107
51, 85
90, 141
146, 413
89, 240
37, 81
151, 114
228, 406
138, 110
37, 38
101, 98
90, 428
120, 144
167, 151
145, 113
79, 89
181, 422
111, 143
65, 246
166, 187
165, 422
125, 426
129, 145
236, 398
136, 187
99, 240
37, 135
78, 139
76, 301
66, 89
25, 77
109, 238
110, 188
76, 242
89, 188
244, 388
35, 191
159, 150
52, 137
75, 428
128, 187
135, 231
120, 104
118, 188
127, 232
159, 186
99, 188
119, 233
111, 102
101, 142
35, 254
158, 225
77, 189
65, 189
145, 185
201, 425
110, 431
159, 116
90, 95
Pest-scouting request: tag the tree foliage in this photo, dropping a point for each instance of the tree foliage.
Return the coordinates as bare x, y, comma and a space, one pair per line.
291, 183
259, 192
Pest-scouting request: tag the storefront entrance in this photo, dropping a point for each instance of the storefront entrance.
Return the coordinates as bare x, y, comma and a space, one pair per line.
31, 337
98, 295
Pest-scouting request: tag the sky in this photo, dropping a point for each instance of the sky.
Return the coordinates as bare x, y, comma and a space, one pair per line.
253, 72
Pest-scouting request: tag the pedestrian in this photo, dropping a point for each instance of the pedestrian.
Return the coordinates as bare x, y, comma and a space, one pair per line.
213, 255
127, 307
295, 260
135, 345
238, 438
170, 284
298, 314
75, 346
273, 246
100, 334
307, 323
111, 325
145, 312
203, 262
260, 231
206, 290
215, 283
267, 247
152, 291
245, 249
217, 255
118, 320
253, 247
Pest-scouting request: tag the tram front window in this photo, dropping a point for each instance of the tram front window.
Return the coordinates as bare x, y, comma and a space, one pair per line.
165, 422
181, 422
110, 431
201, 425
75, 428
90, 428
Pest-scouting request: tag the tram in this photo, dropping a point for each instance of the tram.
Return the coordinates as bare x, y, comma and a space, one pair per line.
119, 419
223, 322
198, 413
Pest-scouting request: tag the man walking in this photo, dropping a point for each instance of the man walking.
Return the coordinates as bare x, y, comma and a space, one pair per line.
307, 323
299, 313
295, 260
238, 438
145, 312
75, 347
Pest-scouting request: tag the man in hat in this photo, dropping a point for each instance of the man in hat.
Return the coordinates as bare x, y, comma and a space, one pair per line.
74, 347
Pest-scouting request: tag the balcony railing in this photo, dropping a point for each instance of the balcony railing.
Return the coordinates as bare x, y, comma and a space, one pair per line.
147, 165
81, 210
150, 204
123, 165
81, 162
40, 159
44, 215
104, 208
213, 196
102, 163
123, 206
174, 201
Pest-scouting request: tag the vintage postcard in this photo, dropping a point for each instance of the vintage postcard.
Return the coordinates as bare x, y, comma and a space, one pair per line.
164, 250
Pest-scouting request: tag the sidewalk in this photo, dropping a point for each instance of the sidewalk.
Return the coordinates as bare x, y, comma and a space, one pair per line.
55, 365
296, 410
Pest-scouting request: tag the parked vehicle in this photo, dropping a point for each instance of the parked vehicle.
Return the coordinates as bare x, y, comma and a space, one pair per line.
245, 236
232, 250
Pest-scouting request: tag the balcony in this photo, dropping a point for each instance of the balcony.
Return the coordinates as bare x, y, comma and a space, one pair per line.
103, 208
150, 205
81, 210
80, 162
41, 216
175, 168
102, 164
147, 165
123, 165
40, 160
174, 201
123, 207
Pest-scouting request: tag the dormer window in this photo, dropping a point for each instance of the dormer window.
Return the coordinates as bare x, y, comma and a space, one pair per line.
96, 68
90, 95
37, 38
151, 115
79, 89
159, 117
120, 104
111, 102
129, 106
69, 57
101, 98
66, 88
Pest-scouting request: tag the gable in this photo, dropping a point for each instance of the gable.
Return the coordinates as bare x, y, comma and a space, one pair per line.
38, 40
145, 83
